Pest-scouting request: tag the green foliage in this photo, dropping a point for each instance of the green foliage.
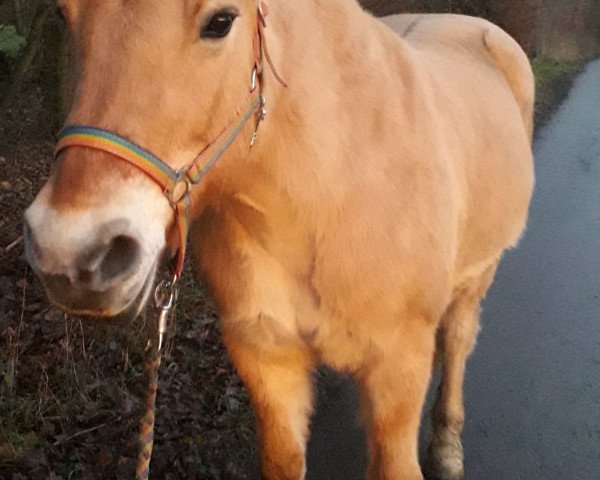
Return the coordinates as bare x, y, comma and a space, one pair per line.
549, 69
11, 43
552, 80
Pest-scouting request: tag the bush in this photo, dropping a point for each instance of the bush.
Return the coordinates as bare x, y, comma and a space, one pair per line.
11, 43
552, 80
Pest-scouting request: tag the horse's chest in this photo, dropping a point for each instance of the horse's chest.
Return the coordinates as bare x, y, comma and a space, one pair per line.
256, 272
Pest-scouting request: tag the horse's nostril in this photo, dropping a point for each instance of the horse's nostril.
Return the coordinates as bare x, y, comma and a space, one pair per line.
120, 259
109, 262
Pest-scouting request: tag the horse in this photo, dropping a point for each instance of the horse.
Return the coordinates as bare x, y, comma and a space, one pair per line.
368, 181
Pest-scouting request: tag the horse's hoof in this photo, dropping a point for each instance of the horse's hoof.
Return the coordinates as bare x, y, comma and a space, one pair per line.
445, 458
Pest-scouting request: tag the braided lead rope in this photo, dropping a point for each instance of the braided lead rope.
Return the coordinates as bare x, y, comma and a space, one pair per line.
146, 434
165, 297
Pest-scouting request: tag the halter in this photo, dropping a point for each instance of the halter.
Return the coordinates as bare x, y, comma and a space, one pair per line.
177, 184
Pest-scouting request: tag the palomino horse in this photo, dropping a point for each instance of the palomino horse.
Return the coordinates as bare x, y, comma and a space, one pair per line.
361, 230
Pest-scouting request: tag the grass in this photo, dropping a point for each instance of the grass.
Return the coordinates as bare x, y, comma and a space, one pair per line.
11, 43
553, 79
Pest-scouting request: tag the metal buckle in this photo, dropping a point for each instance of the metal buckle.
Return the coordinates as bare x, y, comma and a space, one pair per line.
260, 116
262, 111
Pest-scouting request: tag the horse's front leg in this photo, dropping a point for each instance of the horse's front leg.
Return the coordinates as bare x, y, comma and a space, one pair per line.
394, 387
279, 383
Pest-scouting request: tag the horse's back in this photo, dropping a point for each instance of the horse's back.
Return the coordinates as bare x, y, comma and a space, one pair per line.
475, 39
481, 93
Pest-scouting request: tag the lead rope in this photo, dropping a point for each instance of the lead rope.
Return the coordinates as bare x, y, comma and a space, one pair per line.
165, 298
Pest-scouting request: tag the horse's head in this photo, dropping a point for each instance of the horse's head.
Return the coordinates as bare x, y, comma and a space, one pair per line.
167, 76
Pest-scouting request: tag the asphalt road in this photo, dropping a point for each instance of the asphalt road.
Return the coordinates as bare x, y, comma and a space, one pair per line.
533, 384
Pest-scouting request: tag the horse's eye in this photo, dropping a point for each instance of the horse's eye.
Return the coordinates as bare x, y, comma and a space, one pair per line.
219, 25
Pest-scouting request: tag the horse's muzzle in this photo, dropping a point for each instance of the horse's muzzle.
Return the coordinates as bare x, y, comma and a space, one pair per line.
93, 281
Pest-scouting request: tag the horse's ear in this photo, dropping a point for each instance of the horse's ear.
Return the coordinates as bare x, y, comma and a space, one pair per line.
66, 9
59, 11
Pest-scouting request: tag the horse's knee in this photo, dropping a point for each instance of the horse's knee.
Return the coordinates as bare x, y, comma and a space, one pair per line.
280, 389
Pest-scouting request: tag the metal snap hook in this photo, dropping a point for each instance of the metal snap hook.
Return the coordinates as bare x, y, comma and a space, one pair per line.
165, 298
165, 295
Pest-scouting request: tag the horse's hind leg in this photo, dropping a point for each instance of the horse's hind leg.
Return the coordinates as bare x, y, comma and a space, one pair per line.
279, 384
456, 339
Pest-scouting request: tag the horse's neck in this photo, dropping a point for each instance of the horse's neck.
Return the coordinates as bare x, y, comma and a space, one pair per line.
301, 159
322, 49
